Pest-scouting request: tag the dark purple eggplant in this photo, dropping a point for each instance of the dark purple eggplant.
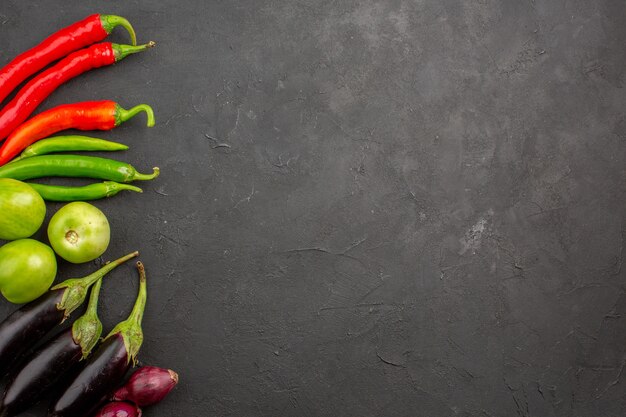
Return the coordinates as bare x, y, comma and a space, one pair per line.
54, 360
106, 367
24, 328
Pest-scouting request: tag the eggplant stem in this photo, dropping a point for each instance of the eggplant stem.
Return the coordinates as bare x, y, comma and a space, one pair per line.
76, 288
87, 329
130, 329
136, 315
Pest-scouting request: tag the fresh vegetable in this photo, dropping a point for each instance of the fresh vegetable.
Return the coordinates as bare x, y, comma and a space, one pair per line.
85, 193
22, 210
76, 36
79, 232
148, 386
74, 166
53, 360
42, 85
25, 327
27, 269
70, 143
119, 409
89, 115
106, 367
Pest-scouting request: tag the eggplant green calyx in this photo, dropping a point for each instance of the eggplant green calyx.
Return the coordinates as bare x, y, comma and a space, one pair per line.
122, 115
75, 289
87, 329
110, 22
130, 329
122, 51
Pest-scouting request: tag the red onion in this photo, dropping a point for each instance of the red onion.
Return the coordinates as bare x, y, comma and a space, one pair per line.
147, 386
119, 409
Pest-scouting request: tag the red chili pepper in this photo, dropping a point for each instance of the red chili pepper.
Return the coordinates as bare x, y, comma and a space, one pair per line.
78, 35
89, 115
40, 87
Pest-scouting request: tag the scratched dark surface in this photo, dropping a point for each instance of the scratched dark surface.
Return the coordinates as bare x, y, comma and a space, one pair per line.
369, 208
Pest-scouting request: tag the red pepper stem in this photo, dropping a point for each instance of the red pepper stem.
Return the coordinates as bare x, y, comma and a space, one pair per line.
122, 51
122, 115
110, 22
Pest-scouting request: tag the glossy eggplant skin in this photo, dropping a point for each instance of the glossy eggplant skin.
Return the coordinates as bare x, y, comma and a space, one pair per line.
25, 327
102, 373
42, 370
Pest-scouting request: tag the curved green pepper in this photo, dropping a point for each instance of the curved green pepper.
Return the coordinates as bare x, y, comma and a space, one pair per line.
88, 192
73, 166
69, 143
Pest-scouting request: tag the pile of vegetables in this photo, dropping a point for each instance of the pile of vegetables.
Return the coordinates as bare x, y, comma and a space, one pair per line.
87, 372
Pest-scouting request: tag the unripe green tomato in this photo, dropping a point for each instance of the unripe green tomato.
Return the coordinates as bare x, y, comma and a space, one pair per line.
27, 270
22, 209
79, 232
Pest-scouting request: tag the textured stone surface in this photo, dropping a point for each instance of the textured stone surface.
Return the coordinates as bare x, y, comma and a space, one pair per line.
370, 208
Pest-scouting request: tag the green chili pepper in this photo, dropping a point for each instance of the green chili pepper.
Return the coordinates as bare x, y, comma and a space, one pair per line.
73, 166
88, 192
70, 143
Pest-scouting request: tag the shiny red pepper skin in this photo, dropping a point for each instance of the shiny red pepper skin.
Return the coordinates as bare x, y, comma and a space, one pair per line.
78, 35
89, 115
41, 86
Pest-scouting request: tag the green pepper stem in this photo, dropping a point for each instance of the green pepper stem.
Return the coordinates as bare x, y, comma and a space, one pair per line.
146, 177
122, 115
76, 288
110, 22
115, 187
130, 329
87, 329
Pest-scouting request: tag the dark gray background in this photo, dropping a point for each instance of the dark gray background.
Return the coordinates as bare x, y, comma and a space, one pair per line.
370, 208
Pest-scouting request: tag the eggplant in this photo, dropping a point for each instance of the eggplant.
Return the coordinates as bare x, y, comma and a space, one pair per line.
24, 328
106, 367
119, 409
148, 386
52, 361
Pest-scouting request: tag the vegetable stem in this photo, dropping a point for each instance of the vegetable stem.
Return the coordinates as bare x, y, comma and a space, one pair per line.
109, 22
130, 329
146, 177
122, 115
122, 51
76, 288
87, 329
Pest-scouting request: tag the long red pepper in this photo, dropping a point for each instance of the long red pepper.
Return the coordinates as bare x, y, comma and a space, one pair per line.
92, 29
89, 115
40, 87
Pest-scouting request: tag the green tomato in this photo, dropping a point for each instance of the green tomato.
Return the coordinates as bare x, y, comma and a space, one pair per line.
22, 209
79, 232
27, 269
